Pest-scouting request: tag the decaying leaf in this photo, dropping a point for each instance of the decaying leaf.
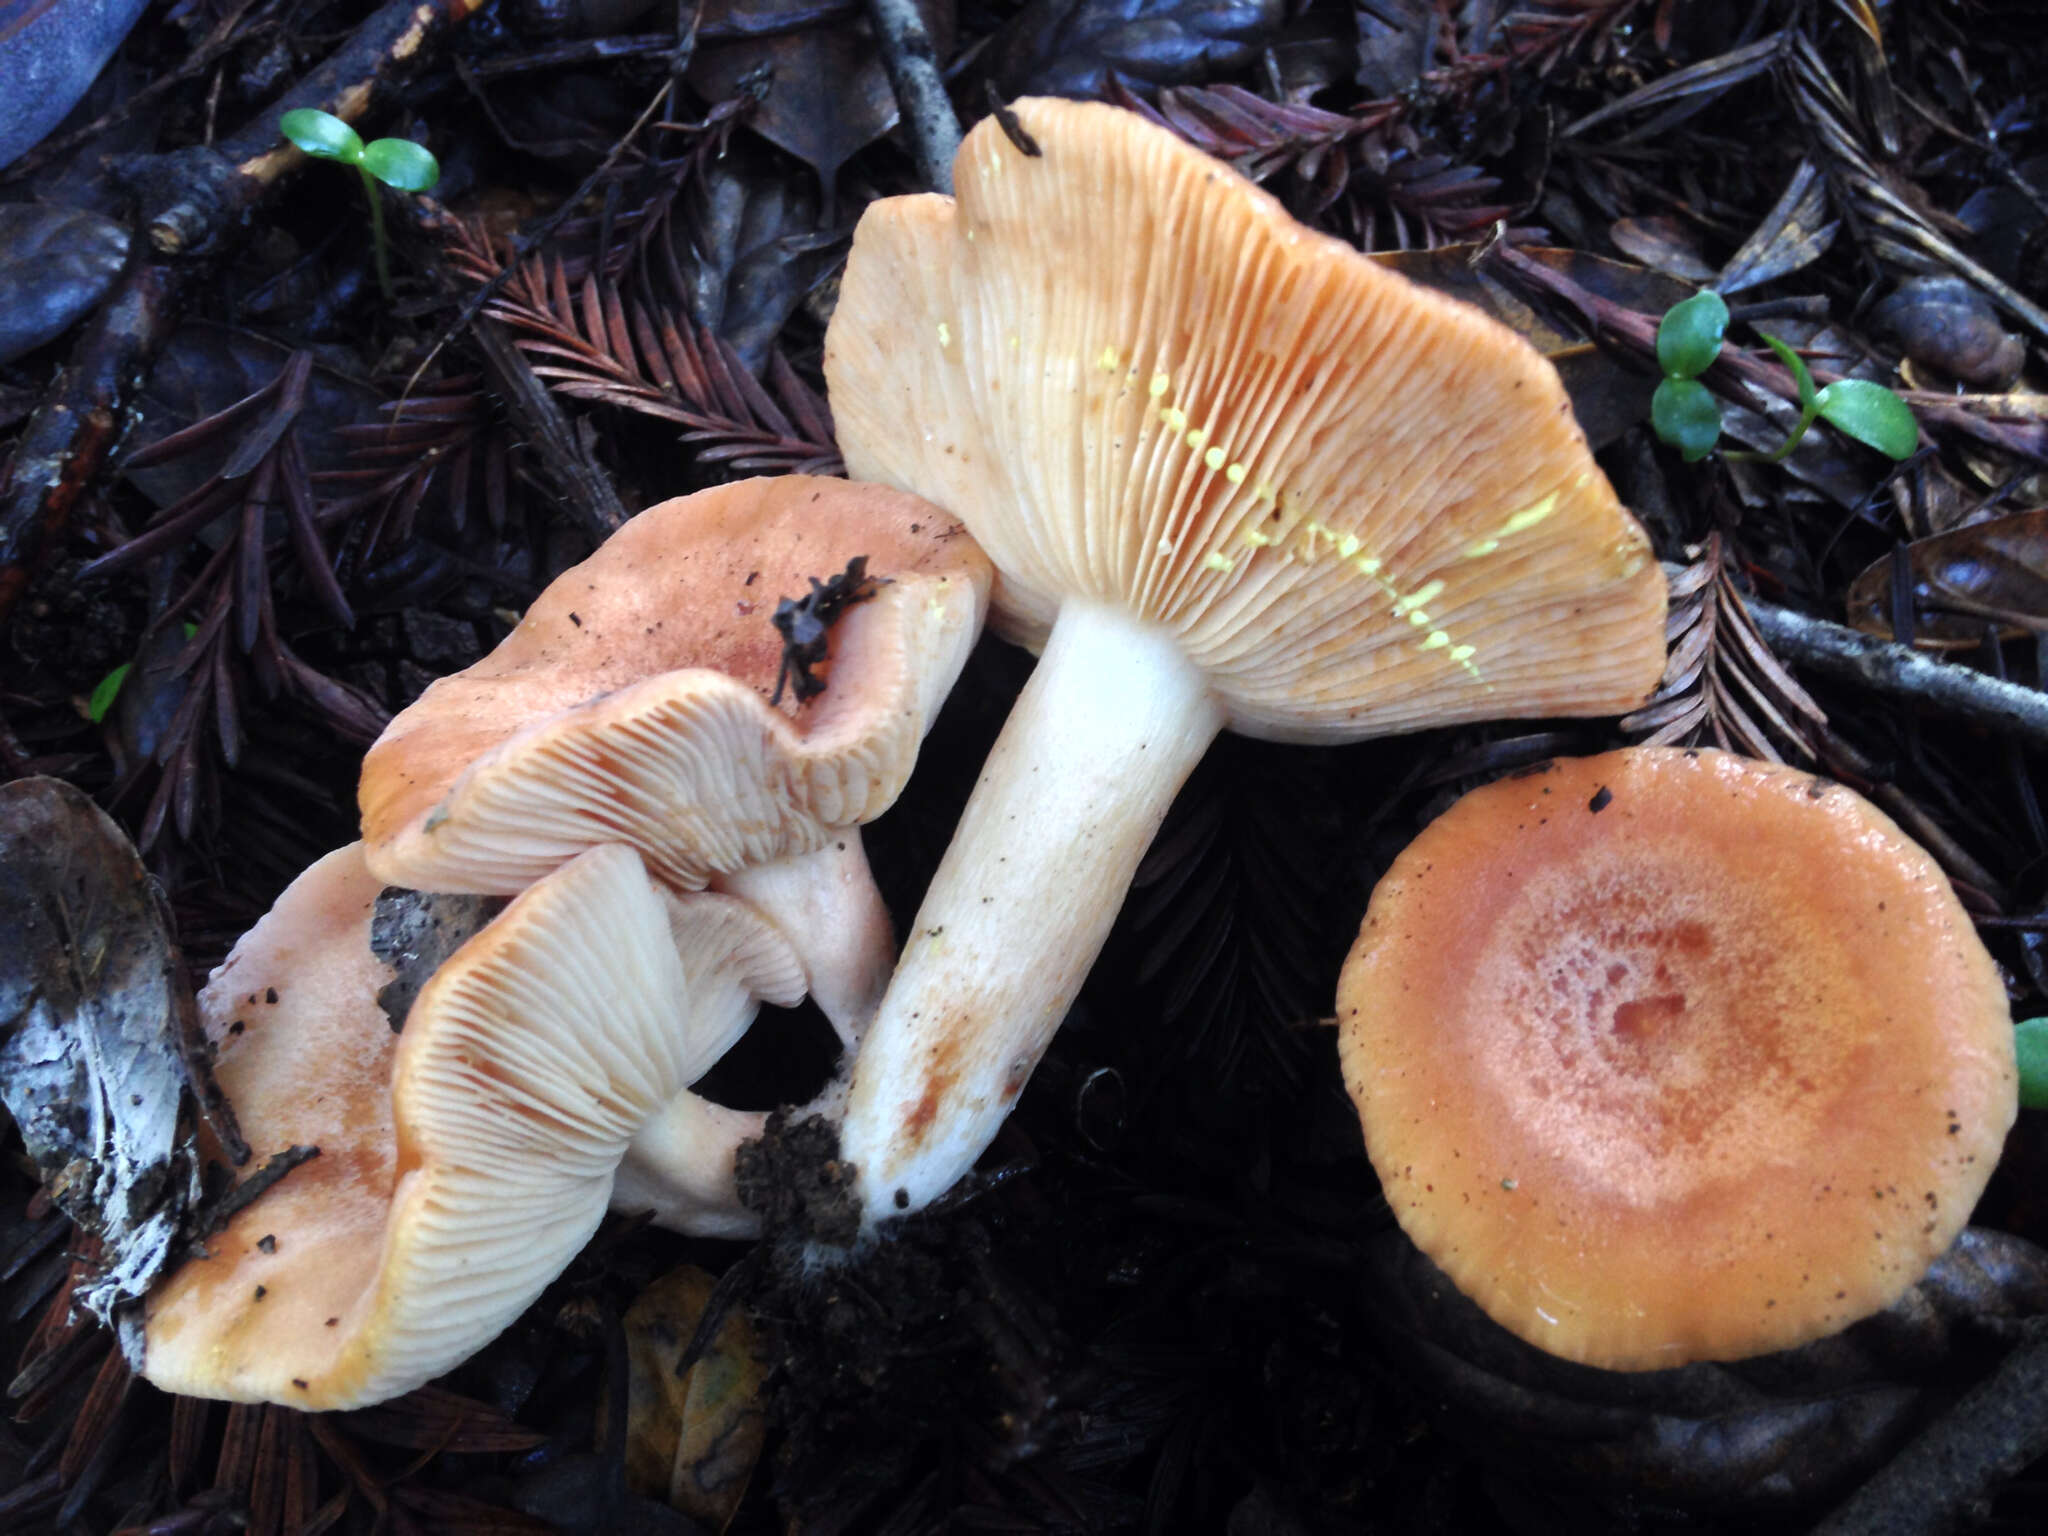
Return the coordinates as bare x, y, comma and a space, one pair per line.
1754, 1435
205, 370
1795, 232
89, 1060
750, 248
1607, 397
1663, 242
1989, 573
1694, 85
691, 1439
821, 127
55, 265
1071, 47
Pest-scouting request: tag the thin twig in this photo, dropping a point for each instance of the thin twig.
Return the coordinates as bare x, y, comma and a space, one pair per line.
1900, 672
1960, 1459
564, 455
913, 66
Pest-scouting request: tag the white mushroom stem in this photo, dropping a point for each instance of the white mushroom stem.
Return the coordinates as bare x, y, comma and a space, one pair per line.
826, 905
680, 1168
1110, 725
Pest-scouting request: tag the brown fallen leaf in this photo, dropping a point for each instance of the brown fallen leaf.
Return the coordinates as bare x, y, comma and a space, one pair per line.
827, 96
691, 1439
1994, 572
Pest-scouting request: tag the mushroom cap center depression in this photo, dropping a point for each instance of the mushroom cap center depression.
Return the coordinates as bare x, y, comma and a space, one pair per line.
1636, 1015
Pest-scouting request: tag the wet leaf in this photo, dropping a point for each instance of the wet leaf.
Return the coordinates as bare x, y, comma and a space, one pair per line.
1990, 572
89, 1064
1396, 43
1071, 47
1694, 83
1662, 242
55, 265
1898, 232
2031, 1043
691, 1439
1689, 335
50, 52
822, 127
1871, 414
1607, 397
1758, 1434
751, 249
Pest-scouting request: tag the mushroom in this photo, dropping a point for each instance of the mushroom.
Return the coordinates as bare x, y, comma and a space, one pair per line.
633, 704
463, 1163
1673, 1055
1230, 473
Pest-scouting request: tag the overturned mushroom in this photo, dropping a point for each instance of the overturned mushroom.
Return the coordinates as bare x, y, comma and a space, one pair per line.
463, 1163
631, 705
1668, 1056
1231, 473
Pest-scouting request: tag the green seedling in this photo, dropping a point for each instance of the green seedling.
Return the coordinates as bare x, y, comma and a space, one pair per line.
398, 163
2030, 1039
106, 691
1683, 410
108, 688
1686, 415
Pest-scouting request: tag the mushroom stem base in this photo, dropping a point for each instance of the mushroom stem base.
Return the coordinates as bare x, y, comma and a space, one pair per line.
1110, 725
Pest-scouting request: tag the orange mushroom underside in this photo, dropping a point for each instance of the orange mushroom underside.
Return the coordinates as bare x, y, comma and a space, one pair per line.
1667, 1056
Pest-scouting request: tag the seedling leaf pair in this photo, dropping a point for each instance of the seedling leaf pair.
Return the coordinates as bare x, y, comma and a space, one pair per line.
1686, 415
1683, 410
398, 163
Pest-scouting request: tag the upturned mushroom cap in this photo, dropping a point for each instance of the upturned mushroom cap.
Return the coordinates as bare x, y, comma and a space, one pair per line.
1673, 1055
1231, 473
463, 1163
631, 702
1360, 507
305, 1056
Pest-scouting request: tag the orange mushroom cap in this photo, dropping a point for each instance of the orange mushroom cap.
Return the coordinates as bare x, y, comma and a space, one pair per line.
631, 703
1673, 1055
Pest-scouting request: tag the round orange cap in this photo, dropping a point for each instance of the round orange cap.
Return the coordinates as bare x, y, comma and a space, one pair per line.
1673, 1055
